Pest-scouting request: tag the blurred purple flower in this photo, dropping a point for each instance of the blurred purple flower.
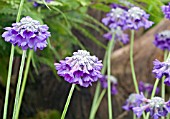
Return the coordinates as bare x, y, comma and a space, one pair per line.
119, 35
116, 17
162, 40
136, 18
81, 68
36, 4
156, 106
166, 10
161, 69
147, 88
132, 101
103, 82
27, 33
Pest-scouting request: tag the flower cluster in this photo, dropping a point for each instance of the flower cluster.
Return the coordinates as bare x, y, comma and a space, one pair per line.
131, 102
166, 11
27, 33
161, 69
113, 80
121, 18
137, 18
116, 17
147, 88
156, 106
119, 35
162, 40
81, 68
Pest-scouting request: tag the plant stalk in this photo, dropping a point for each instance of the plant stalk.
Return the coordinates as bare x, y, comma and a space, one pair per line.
10, 66
132, 63
68, 101
110, 46
19, 84
24, 82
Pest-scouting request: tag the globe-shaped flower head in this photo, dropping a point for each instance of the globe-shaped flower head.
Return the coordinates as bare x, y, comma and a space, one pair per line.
81, 68
137, 18
162, 40
156, 106
161, 69
116, 17
27, 33
166, 10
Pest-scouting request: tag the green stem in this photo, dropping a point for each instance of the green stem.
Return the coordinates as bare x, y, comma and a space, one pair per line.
68, 101
96, 95
162, 82
10, 66
19, 84
134, 116
153, 93
131, 62
97, 104
24, 82
8, 82
110, 45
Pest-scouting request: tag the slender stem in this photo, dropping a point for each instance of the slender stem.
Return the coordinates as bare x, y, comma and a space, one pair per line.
97, 104
19, 84
162, 82
153, 93
8, 82
134, 116
131, 62
96, 95
68, 101
111, 43
24, 82
10, 66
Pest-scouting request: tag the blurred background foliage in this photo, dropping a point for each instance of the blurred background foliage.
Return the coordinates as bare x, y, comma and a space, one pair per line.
62, 16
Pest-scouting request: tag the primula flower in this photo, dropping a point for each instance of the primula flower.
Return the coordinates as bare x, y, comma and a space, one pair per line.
132, 102
161, 69
27, 33
147, 88
162, 40
81, 68
156, 106
136, 18
119, 35
113, 80
116, 17
36, 4
166, 10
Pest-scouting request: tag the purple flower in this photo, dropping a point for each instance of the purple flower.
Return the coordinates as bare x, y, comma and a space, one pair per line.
81, 68
36, 4
161, 69
139, 110
103, 82
132, 101
27, 33
147, 88
136, 18
162, 40
156, 106
166, 10
119, 35
116, 17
